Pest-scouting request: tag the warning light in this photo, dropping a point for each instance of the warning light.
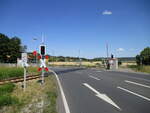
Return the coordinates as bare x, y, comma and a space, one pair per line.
42, 50
46, 69
39, 69
34, 53
39, 57
46, 57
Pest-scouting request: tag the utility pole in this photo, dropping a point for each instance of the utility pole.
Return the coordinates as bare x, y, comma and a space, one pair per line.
107, 63
107, 50
79, 58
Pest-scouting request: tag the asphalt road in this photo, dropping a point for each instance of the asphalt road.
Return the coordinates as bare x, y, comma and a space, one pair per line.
99, 91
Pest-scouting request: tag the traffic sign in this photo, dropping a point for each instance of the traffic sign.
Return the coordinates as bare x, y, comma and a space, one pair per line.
24, 59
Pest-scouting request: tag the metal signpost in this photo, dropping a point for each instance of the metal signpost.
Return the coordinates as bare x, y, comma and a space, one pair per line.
24, 65
42, 57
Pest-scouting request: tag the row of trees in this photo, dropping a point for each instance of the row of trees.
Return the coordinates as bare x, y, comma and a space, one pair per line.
144, 57
10, 49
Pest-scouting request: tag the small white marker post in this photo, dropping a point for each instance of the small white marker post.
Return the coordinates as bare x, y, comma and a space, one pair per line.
24, 65
42, 75
24, 85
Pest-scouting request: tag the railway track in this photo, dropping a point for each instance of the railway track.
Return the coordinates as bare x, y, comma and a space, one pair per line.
18, 79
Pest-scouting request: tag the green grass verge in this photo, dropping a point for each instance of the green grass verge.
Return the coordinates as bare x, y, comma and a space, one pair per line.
10, 72
36, 98
143, 68
5, 95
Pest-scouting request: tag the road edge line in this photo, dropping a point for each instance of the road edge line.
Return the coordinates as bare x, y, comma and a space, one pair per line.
62, 94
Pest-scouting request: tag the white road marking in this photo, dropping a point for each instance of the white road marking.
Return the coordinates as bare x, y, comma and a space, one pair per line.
94, 77
138, 78
102, 96
134, 93
137, 83
62, 94
98, 71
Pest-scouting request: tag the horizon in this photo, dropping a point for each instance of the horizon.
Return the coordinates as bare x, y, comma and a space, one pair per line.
79, 28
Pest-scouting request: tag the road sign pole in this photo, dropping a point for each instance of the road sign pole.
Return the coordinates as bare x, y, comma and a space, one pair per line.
24, 86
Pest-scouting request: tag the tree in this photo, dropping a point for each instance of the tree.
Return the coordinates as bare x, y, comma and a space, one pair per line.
138, 59
144, 57
10, 49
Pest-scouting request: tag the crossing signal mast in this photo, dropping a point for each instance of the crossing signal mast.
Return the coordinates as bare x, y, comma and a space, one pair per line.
42, 57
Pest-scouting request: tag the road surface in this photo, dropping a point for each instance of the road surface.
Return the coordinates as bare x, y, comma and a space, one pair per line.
99, 91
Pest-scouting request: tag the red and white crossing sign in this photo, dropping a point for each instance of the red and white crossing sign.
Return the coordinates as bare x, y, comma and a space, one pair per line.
43, 65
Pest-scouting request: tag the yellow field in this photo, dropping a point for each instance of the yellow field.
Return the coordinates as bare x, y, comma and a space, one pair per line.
75, 63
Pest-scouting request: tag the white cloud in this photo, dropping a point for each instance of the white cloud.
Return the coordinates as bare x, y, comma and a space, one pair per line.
106, 12
120, 50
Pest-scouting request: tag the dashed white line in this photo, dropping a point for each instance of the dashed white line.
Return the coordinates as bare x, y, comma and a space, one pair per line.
137, 83
143, 97
67, 110
98, 71
139, 78
94, 77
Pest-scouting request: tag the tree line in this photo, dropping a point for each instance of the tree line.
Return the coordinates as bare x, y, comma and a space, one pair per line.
144, 57
10, 49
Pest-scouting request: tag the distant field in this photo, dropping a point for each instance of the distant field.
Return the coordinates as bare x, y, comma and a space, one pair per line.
127, 63
75, 63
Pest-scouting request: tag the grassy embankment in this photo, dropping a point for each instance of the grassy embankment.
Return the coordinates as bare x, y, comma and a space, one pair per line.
145, 69
37, 98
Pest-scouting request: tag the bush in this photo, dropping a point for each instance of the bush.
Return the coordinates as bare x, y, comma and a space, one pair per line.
119, 63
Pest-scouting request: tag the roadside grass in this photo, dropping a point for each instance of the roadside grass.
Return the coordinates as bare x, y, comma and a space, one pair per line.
10, 72
5, 95
36, 99
142, 68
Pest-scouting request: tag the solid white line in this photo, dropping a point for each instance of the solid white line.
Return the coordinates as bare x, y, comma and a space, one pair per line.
94, 77
62, 94
137, 83
102, 96
134, 93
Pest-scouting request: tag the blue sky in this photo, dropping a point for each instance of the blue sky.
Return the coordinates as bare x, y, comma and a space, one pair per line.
72, 25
